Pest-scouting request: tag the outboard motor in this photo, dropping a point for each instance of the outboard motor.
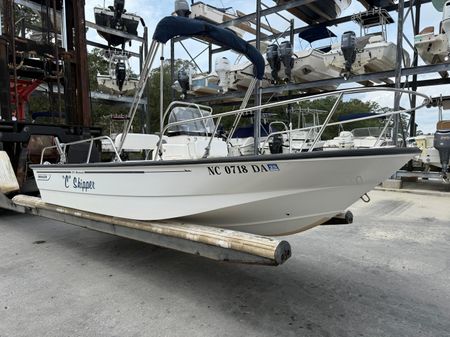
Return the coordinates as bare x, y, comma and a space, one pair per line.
442, 144
223, 68
119, 10
348, 48
274, 60
183, 80
276, 145
182, 8
286, 53
446, 20
121, 74
119, 6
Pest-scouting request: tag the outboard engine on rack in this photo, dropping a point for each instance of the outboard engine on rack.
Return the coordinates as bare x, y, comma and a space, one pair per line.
442, 144
274, 61
183, 81
182, 8
286, 53
223, 68
348, 48
121, 74
119, 10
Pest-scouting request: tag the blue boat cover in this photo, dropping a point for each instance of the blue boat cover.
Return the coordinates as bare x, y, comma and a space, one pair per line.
172, 26
316, 33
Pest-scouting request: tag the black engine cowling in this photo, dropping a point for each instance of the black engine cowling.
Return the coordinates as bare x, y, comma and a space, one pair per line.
442, 144
121, 74
348, 48
183, 80
274, 60
285, 52
276, 145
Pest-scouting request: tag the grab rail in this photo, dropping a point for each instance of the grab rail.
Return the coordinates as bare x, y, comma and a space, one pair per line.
339, 93
62, 147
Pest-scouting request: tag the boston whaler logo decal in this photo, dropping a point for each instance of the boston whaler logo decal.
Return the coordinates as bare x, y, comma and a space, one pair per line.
242, 169
78, 183
43, 177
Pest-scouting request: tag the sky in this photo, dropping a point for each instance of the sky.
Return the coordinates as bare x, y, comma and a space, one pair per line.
152, 11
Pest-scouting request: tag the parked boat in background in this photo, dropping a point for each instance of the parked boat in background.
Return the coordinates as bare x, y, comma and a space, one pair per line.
369, 53
116, 17
303, 66
318, 11
119, 79
435, 48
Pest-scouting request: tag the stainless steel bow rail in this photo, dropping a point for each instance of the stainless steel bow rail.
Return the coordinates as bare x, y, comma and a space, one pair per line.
340, 95
62, 147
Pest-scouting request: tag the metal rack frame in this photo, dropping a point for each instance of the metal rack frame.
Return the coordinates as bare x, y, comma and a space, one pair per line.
405, 10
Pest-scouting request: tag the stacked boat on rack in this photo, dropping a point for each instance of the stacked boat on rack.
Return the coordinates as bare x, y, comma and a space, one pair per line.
119, 77
371, 52
435, 48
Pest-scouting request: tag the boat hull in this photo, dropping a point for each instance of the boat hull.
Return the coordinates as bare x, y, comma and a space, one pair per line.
105, 17
377, 56
267, 195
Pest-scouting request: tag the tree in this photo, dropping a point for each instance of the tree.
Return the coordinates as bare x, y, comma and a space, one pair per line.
97, 65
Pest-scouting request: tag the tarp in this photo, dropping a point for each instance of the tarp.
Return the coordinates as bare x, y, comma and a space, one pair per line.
172, 26
317, 33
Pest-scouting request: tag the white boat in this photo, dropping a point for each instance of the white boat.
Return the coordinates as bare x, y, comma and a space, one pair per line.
191, 178
435, 48
225, 77
361, 138
369, 53
200, 10
318, 11
435, 149
429, 155
303, 66
117, 18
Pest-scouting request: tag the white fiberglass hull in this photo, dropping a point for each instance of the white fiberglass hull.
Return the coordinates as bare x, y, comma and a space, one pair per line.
267, 195
309, 66
432, 48
377, 56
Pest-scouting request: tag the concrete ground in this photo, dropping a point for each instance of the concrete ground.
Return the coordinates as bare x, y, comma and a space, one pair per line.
388, 274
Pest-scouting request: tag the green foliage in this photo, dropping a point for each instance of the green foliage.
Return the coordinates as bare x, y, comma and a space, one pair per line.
97, 65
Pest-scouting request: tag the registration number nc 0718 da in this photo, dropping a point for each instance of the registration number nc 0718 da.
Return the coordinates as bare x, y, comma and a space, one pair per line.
242, 169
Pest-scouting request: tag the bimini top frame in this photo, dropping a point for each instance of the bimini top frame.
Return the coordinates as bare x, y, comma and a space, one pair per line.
172, 26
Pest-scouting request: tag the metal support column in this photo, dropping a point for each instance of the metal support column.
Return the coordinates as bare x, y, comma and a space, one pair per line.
172, 67
5, 99
258, 98
398, 68
412, 127
83, 100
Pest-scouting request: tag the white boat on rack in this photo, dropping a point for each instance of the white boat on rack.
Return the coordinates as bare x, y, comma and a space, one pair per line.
435, 48
307, 65
191, 178
225, 77
369, 53
318, 11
